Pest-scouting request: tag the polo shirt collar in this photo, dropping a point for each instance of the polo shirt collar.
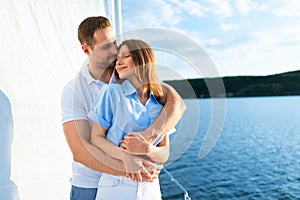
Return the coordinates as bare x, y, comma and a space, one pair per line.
86, 74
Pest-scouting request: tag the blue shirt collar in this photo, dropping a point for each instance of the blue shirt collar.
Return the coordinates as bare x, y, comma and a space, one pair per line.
129, 89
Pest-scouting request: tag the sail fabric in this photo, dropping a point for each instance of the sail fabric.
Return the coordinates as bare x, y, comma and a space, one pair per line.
40, 53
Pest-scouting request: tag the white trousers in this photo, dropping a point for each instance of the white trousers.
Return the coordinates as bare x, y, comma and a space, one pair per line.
119, 187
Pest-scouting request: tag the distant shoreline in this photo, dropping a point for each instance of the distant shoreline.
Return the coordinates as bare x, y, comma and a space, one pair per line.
283, 84
275, 96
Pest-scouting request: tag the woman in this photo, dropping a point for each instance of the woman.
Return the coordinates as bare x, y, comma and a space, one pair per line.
129, 107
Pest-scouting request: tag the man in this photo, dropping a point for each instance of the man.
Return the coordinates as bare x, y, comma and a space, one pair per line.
97, 41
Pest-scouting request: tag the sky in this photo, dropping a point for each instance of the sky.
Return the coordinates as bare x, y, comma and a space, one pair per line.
241, 37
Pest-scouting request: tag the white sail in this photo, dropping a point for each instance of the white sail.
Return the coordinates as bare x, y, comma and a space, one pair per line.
39, 54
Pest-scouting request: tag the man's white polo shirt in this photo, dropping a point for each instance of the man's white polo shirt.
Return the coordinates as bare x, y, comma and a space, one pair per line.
77, 101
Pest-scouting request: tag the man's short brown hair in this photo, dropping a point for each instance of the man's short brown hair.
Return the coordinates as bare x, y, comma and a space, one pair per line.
88, 27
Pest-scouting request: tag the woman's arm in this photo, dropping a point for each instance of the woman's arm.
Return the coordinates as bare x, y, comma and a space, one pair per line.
159, 153
98, 138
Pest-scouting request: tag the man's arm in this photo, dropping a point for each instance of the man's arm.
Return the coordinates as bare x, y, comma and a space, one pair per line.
77, 135
171, 113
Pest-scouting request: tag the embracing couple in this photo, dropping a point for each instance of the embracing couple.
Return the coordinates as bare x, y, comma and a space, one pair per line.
117, 116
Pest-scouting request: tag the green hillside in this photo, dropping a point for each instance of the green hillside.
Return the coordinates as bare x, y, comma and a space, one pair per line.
240, 86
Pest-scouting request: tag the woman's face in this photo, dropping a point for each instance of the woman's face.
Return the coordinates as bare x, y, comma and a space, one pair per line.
125, 65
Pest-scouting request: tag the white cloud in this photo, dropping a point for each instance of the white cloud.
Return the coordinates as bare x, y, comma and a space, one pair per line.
157, 13
213, 41
281, 8
160, 14
288, 8
221, 8
190, 7
228, 27
244, 6
238, 45
280, 38
265, 52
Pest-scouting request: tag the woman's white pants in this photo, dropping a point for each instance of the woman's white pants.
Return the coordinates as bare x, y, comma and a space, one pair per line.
112, 187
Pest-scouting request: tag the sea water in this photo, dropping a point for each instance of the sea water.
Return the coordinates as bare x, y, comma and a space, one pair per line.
256, 156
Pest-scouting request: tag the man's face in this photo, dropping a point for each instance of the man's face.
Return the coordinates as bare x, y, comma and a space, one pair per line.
105, 49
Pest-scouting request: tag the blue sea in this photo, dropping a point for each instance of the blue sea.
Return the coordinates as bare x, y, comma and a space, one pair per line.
256, 156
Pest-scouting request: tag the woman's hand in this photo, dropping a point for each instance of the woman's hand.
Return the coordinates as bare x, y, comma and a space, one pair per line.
135, 143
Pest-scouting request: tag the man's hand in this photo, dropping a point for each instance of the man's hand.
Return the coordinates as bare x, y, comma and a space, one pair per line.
135, 143
134, 167
139, 169
153, 169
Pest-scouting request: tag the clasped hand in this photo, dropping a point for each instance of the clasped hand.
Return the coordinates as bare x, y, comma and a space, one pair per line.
135, 143
139, 169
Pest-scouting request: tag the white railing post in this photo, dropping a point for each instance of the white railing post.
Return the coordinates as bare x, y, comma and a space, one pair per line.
186, 194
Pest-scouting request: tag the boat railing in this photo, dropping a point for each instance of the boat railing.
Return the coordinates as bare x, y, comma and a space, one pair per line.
186, 194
